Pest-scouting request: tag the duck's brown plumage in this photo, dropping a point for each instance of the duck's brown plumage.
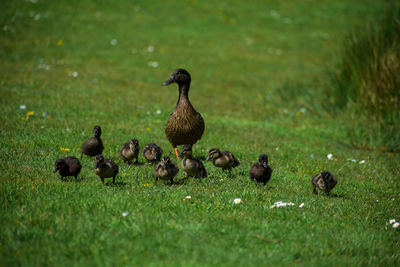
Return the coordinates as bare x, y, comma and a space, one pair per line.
165, 170
185, 125
94, 145
324, 181
105, 168
261, 171
69, 166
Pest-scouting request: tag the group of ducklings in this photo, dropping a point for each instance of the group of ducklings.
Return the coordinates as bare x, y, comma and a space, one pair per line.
185, 127
166, 169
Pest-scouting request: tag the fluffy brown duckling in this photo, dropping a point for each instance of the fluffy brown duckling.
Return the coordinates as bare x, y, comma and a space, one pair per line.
130, 150
261, 171
105, 168
324, 181
185, 125
165, 170
152, 152
69, 166
93, 146
225, 160
192, 166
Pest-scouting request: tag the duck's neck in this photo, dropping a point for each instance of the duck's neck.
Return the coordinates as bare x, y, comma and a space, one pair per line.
183, 92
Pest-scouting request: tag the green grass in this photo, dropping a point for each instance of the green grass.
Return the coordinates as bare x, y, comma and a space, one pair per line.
253, 70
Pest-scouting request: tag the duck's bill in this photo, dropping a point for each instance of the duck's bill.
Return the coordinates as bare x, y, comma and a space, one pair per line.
169, 81
180, 154
55, 170
96, 165
208, 158
265, 164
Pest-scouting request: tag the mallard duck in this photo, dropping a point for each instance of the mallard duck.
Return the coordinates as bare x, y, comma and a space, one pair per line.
261, 171
225, 160
130, 150
324, 181
165, 170
152, 152
185, 125
193, 167
93, 146
69, 166
105, 168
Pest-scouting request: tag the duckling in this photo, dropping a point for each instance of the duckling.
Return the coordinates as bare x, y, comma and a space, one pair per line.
69, 166
165, 170
152, 152
130, 150
261, 171
185, 125
324, 181
105, 168
93, 146
193, 167
225, 160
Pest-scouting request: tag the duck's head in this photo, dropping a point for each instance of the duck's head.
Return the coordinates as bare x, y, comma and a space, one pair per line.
213, 153
133, 144
263, 160
156, 152
327, 177
98, 160
165, 162
97, 131
59, 165
179, 76
186, 151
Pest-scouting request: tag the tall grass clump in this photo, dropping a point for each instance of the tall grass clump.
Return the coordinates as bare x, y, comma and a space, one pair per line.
367, 83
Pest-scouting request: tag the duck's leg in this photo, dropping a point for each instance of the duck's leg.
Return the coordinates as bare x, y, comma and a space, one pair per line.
114, 179
155, 181
315, 191
176, 153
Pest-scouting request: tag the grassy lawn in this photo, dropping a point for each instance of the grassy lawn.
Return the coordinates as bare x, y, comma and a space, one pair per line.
257, 70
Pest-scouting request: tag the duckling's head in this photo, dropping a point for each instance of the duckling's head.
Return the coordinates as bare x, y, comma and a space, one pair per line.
97, 131
165, 162
213, 153
186, 151
263, 160
179, 76
59, 165
98, 160
133, 144
327, 177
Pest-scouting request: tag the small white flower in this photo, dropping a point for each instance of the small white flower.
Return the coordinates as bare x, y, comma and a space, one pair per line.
74, 74
114, 42
188, 197
22, 107
302, 110
330, 156
395, 225
44, 114
274, 14
68, 129
37, 17
362, 162
237, 201
301, 205
312, 156
153, 64
393, 198
42, 126
150, 49
392, 221
377, 200
276, 148
125, 213
352, 160
158, 112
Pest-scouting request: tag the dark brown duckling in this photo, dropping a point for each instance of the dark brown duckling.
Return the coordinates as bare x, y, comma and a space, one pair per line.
165, 170
324, 181
192, 166
93, 146
185, 125
152, 152
105, 168
261, 171
69, 166
225, 160
130, 150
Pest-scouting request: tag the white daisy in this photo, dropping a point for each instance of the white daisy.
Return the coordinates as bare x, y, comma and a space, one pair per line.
301, 205
330, 156
395, 225
125, 213
237, 201
392, 221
